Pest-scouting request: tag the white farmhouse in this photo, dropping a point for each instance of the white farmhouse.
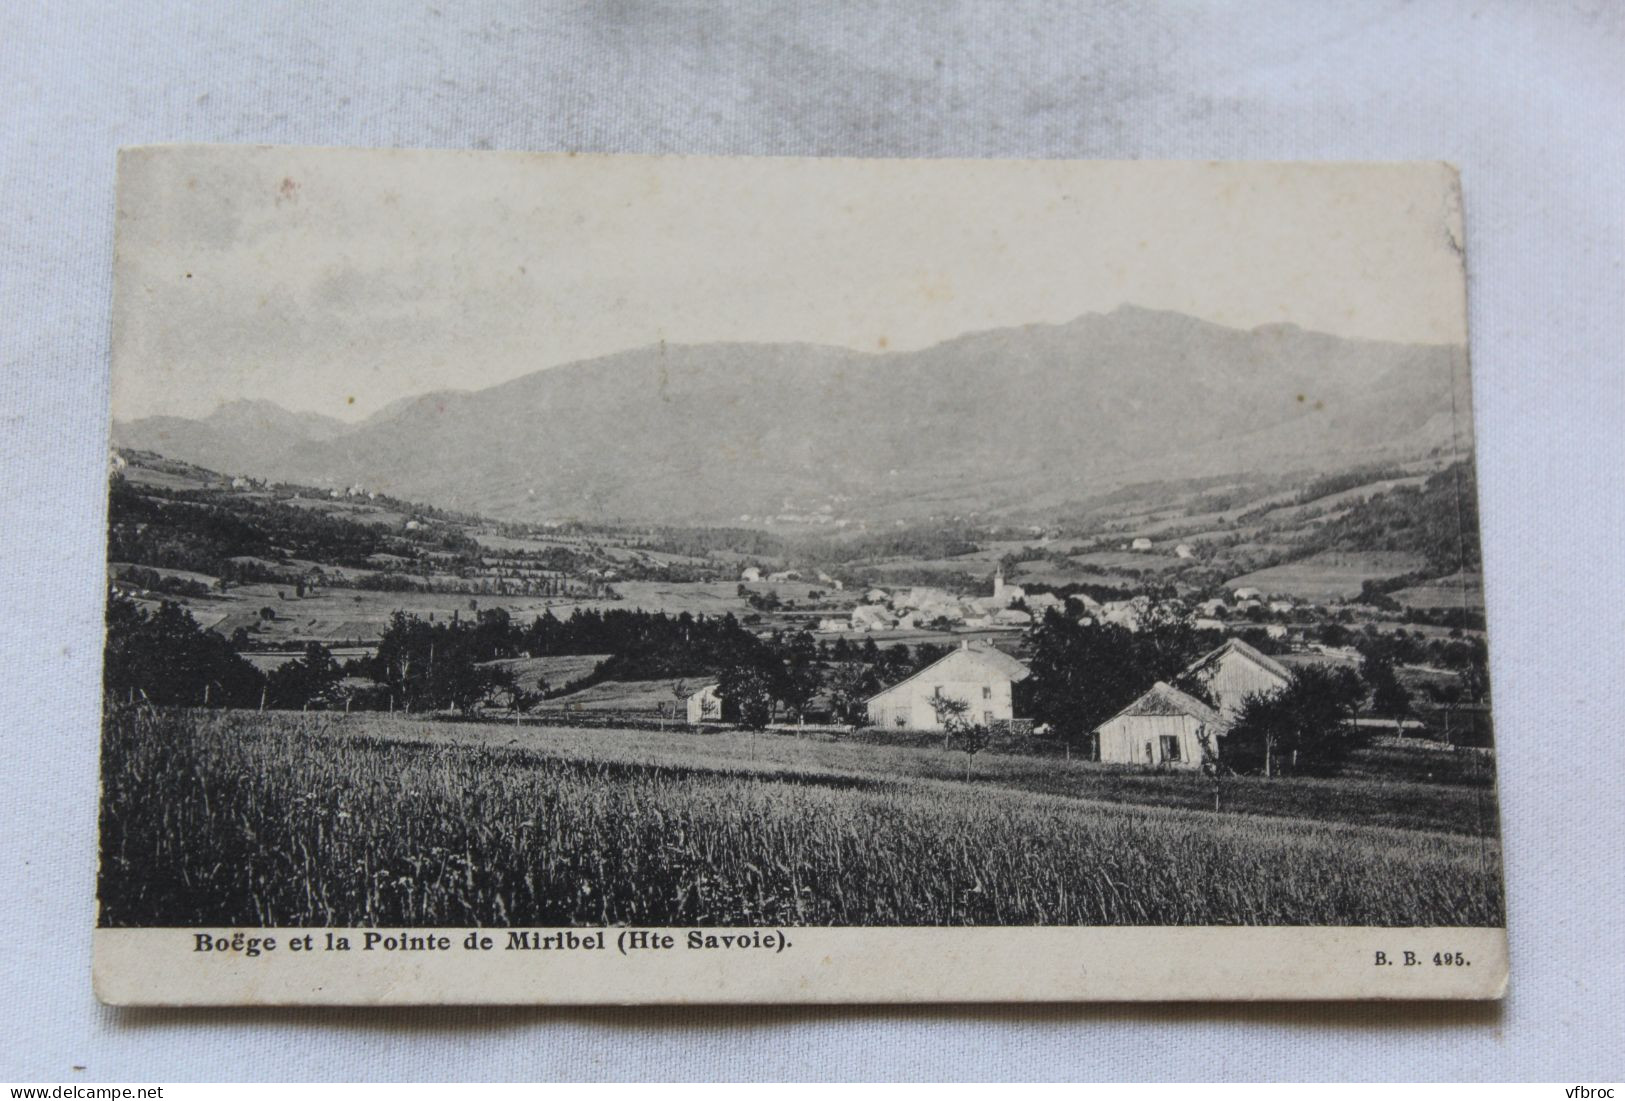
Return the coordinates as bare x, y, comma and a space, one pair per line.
1140, 544
1246, 593
976, 673
1235, 671
751, 573
1184, 551
1163, 727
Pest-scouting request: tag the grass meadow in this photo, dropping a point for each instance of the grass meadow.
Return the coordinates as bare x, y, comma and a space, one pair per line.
243, 819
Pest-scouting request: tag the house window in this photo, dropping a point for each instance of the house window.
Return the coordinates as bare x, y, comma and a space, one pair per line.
1170, 747
901, 722
987, 692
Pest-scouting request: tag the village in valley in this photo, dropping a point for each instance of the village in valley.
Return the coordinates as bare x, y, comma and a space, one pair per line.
1301, 658
881, 635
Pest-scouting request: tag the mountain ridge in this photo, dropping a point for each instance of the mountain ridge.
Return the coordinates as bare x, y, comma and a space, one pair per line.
983, 422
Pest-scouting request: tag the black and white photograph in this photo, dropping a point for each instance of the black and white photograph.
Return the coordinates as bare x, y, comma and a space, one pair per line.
578, 549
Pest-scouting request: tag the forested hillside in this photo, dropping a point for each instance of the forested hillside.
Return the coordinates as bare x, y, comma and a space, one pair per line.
1438, 520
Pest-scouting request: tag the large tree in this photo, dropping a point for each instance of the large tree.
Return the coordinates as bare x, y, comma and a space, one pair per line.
297, 683
1388, 696
1302, 728
164, 657
746, 692
1084, 673
850, 686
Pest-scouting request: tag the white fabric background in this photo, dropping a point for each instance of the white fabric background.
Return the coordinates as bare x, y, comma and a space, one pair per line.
1526, 98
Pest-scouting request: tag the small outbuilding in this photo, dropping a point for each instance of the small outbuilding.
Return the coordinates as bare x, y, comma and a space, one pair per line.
1165, 727
704, 706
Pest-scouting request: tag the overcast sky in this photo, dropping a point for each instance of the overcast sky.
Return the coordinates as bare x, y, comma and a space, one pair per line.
338, 281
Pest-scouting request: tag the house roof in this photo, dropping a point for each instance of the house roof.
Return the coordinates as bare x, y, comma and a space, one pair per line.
1241, 649
1163, 698
999, 661
990, 657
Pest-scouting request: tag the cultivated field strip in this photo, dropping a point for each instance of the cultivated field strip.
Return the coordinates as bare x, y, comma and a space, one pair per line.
282, 819
1459, 807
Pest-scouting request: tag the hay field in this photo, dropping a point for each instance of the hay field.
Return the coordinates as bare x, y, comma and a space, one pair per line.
212, 818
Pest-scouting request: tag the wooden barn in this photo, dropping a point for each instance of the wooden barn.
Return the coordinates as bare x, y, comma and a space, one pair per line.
1236, 670
977, 673
1161, 728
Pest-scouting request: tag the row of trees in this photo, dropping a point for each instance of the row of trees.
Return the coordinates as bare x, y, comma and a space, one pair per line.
163, 656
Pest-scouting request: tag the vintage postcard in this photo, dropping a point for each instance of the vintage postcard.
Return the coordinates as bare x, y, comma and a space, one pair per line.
572, 579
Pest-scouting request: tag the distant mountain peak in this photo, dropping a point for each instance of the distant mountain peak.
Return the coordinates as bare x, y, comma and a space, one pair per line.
262, 414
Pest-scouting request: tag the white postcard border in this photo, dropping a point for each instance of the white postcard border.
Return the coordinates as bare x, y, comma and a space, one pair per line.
803, 965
